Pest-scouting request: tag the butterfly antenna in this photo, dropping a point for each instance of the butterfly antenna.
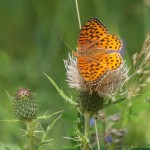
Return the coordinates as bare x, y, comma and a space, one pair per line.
66, 43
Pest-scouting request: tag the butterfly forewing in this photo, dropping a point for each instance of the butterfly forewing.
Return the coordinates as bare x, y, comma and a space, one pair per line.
111, 42
92, 31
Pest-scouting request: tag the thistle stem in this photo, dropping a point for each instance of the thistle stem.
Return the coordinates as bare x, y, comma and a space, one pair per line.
87, 117
30, 132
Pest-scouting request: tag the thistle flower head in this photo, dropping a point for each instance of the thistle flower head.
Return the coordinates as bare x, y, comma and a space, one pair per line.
25, 105
107, 86
92, 96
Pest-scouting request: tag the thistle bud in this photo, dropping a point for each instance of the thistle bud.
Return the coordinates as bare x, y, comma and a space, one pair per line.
25, 105
90, 102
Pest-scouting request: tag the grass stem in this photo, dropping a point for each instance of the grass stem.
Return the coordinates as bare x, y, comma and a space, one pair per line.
78, 14
97, 137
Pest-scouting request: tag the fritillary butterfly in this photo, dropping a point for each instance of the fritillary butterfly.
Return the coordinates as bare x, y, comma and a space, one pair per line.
98, 52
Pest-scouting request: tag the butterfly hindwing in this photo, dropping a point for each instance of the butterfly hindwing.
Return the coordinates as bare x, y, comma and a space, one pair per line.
112, 60
91, 70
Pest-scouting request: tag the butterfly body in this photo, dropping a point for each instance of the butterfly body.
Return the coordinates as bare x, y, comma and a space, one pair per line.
98, 52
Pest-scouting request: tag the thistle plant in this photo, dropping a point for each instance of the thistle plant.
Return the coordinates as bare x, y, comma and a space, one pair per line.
92, 99
25, 105
96, 72
26, 108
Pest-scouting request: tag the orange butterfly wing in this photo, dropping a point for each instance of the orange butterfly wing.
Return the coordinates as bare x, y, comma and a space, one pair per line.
95, 58
110, 42
91, 70
112, 60
90, 33
94, 35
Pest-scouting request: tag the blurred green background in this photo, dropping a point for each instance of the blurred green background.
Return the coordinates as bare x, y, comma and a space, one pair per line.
29, 46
